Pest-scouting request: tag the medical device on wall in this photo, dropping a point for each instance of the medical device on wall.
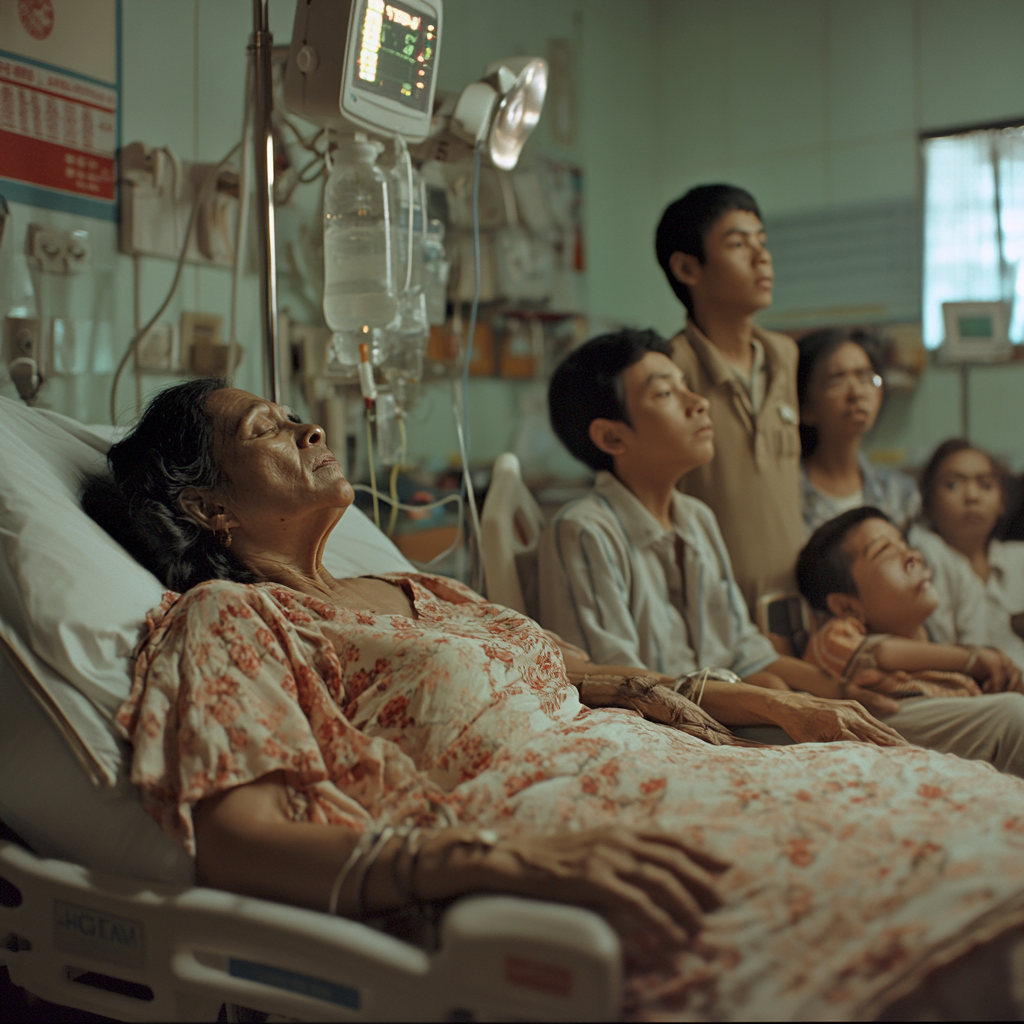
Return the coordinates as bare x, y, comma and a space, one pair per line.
368, 63
976, 332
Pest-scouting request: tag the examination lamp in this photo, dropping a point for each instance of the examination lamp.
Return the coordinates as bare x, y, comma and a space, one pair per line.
498, 113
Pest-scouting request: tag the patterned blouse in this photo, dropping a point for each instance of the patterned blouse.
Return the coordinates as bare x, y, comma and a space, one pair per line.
893, 492
856, 869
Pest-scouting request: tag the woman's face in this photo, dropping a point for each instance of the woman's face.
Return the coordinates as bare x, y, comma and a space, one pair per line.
844, 395
967, 497
278, 471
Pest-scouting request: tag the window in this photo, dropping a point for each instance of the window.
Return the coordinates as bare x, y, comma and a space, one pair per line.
973, 224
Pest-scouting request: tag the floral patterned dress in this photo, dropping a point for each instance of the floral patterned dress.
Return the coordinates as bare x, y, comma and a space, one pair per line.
856, 869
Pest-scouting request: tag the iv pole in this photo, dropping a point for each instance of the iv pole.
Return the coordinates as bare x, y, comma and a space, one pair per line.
261, 47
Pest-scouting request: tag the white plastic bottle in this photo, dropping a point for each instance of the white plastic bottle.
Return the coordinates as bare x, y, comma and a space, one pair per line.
359, 284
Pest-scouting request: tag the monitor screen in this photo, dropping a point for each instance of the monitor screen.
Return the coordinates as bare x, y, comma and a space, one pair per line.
977, 328
396, 50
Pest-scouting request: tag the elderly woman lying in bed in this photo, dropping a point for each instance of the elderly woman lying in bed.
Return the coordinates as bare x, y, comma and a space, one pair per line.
360, 745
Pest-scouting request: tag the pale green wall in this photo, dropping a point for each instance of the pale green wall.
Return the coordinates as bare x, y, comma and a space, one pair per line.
809, 103
812, 104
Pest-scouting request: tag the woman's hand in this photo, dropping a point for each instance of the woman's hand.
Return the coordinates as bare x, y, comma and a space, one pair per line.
810, 719
638, 879
859, 689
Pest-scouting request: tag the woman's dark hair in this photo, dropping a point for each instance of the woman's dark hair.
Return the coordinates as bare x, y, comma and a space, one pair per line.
929, 477
138, 504
685, 223
587, 386
815, 348
823, 567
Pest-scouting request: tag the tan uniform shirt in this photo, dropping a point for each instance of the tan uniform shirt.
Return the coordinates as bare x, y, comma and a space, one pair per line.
753, 482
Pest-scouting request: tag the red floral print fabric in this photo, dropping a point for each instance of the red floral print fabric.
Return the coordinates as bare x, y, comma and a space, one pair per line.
856, 869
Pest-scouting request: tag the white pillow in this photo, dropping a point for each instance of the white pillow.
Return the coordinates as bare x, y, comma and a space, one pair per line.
73, 601
47, 798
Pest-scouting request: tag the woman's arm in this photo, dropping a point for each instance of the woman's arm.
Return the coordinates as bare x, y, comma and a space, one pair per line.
805, 717
246, 843
801, 675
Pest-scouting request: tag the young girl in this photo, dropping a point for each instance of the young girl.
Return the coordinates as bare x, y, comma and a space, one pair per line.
839, 387
962, 491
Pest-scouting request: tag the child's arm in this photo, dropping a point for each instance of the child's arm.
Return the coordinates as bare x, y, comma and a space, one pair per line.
988, 666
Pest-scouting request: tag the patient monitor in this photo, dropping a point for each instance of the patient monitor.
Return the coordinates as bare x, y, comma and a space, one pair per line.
368, 62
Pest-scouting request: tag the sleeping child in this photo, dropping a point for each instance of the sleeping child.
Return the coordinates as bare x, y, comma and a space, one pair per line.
859, 570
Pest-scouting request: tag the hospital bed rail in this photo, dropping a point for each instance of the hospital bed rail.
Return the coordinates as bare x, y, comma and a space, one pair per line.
146, 951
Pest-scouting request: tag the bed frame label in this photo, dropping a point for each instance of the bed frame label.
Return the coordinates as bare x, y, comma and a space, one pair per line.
292, 981
79, 929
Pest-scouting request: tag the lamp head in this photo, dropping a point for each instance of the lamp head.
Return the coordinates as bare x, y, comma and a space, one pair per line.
498, 113
523, 83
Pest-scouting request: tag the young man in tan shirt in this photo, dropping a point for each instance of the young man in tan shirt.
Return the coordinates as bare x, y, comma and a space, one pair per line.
712, 247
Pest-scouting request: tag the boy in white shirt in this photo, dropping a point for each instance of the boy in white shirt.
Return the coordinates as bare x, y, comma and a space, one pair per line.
636, 573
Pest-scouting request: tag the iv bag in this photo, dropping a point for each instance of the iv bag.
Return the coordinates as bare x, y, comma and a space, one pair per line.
390, 447
359, 286
405, 342
429, 265
435, 273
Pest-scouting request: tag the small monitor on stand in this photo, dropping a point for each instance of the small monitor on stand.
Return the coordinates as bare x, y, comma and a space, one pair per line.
976, 332
367, 63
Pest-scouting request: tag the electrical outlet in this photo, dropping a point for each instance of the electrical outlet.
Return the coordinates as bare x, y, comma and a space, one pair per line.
45, 248
77, 250
22, 338
54, 251
198, 330
156, 351
23, 354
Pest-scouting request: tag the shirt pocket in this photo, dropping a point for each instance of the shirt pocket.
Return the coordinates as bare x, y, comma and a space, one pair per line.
785, 441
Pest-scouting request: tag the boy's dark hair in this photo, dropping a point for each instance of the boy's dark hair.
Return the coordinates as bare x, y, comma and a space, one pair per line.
815, 348
588, 385
952, 447
686, 222
823, 567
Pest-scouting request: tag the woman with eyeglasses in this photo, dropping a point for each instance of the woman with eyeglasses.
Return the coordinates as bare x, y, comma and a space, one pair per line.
839, 387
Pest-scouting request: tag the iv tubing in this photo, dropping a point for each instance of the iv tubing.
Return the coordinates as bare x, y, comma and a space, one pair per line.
393, 518
139, 335
462, 428
243, 219
373, 472
400, 145
440, 503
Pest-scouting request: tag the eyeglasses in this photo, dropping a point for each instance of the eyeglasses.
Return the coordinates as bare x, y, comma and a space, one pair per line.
864, 379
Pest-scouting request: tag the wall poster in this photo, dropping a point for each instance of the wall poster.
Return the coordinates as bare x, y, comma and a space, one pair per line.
60, 104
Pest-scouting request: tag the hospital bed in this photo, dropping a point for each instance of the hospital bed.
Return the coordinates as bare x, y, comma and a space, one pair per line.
98, 907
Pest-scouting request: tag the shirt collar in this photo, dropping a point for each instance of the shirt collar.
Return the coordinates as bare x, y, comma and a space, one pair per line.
639, 525
872, 486
711, 357
715, 366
